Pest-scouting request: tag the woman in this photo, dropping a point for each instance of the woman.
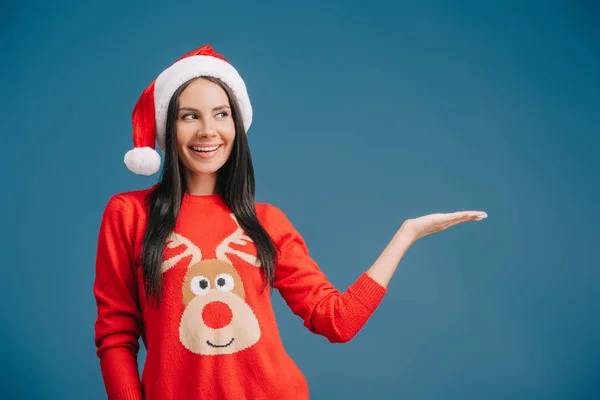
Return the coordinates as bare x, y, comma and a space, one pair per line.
188, 264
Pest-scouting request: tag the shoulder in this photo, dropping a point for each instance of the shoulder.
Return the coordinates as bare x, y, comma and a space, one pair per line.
274, 220
269, 214
130, 202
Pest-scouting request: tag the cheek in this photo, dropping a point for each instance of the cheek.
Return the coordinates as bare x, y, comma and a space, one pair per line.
184, 132
228, 132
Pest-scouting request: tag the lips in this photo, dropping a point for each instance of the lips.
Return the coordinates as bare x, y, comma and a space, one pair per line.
205, 149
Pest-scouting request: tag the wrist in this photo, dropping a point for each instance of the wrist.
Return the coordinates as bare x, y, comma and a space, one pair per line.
405, 237
406, 234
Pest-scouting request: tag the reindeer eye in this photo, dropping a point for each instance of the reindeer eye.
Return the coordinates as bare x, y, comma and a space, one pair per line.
224, 282
200, 285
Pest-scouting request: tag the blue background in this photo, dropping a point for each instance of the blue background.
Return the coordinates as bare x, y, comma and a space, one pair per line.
365, 115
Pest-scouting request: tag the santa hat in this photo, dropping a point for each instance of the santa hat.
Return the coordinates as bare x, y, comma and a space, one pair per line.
149, 117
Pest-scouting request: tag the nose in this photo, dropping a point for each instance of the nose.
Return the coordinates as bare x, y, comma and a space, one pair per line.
216, 315
207, 130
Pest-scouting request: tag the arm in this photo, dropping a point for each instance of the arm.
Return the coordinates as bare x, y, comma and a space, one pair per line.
307, 291
326, 311
117, 327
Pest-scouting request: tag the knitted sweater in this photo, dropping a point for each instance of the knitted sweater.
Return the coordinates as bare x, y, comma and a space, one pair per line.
213, 335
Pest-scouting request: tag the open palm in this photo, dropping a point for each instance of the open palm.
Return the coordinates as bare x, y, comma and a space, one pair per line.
432, 223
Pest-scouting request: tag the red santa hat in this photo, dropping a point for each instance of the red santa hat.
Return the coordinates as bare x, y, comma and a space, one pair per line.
149, 117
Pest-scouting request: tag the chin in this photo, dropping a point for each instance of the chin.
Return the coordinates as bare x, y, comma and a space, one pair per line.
205, 170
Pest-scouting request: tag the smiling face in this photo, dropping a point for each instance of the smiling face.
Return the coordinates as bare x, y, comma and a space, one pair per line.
205, 129
216, 319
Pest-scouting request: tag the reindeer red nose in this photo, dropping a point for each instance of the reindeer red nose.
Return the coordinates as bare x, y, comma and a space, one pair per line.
216, 315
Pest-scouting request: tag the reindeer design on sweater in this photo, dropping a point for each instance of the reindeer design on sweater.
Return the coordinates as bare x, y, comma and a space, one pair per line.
216, 319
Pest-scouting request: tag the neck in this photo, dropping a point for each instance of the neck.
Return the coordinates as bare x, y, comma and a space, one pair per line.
201, 184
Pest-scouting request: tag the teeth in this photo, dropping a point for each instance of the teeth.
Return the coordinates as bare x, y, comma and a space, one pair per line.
205, 149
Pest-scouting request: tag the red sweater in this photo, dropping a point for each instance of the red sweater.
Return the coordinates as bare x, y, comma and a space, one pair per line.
213, 335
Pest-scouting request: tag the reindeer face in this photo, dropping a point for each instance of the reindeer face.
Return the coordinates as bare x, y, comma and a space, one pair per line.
216, 319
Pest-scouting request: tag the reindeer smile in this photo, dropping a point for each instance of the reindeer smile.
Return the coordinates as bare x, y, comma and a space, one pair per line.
219, 345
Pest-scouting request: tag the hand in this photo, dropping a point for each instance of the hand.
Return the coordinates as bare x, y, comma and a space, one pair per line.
416, 228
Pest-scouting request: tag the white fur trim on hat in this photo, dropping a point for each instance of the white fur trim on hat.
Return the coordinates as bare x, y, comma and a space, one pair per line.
143, 161
192, 67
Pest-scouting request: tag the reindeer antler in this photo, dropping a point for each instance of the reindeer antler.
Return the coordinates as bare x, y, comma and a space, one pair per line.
175, 240
237, 237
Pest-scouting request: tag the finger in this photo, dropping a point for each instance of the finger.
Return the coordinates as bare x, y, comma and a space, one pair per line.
461, 215
447, 220
477, 215
465, 216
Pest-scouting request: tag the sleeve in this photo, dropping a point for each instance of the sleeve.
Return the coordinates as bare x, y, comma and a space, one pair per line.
306, 290
118, 326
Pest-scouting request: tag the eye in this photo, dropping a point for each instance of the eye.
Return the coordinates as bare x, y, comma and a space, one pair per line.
189, 116
224, 282
200, 285
222, 114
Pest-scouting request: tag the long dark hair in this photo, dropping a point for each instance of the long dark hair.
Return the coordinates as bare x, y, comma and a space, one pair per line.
235, 185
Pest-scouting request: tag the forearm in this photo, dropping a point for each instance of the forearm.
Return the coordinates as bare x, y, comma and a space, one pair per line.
384, 267
120, 375
119, 368
340, 316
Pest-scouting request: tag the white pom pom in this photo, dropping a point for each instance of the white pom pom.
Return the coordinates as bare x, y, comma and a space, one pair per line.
143, 161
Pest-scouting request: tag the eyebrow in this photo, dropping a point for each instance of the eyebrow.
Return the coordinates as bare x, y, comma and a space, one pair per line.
218, 108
